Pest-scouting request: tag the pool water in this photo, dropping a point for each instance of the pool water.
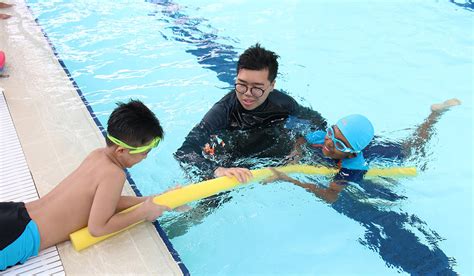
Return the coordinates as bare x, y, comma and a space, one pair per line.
389, 61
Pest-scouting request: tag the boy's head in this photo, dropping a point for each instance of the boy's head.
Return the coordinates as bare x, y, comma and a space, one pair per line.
349, 136
134, 129
257, 69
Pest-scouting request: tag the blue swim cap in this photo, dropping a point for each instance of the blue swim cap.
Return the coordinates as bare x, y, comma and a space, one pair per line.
357, 129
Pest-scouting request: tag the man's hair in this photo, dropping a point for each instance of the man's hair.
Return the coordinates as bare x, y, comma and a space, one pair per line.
258, 58
134, 124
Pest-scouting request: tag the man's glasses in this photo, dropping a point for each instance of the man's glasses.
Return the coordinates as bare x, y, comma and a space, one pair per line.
338, 143
134, 150
243, 88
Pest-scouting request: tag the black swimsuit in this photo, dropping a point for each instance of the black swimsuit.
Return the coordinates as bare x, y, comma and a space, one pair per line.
13, 220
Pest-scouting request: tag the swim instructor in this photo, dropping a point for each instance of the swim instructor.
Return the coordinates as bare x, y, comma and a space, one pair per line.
253, 107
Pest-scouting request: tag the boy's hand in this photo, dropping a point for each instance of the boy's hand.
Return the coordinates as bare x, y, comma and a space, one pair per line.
277, 175
295, 155
293, 158
242, 174
182, 208
152, 210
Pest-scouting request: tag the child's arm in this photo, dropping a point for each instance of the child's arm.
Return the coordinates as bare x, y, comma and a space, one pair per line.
329, 194
297, 152
128, 201
103, 218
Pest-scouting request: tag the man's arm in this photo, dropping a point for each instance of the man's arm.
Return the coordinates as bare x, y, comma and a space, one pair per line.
315, 119
311, 119
189, 154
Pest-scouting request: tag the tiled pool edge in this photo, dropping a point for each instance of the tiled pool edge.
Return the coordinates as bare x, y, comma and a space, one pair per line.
23, 106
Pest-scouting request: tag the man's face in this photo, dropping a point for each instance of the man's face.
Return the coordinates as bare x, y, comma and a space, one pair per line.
253, 87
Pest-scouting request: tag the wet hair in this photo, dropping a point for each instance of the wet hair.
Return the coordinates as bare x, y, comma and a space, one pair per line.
258, 58
134, 124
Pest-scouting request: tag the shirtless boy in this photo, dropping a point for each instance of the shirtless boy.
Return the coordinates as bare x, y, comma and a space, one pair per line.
90, 195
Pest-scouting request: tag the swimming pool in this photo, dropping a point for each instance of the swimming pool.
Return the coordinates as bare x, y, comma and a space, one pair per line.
387, 61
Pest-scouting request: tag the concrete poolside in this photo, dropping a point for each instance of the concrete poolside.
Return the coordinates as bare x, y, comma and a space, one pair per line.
56, 132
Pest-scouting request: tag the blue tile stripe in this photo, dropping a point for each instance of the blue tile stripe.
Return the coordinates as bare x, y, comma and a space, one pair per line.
160, 231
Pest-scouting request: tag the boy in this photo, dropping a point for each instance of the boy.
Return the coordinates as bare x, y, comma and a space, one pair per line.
90, 195
397, 236
343, 144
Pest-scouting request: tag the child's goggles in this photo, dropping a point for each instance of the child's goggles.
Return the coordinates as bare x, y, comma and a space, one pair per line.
338, 143
134, 150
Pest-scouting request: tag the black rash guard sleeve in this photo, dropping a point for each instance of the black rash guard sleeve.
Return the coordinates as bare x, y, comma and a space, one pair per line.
315, 119
190, 154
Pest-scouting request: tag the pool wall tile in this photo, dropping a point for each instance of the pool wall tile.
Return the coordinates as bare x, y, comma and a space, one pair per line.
57, 132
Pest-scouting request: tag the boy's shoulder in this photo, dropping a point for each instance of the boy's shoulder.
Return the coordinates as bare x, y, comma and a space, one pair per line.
98, 161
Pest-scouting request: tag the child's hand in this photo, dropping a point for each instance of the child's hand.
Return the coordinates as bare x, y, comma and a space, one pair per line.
295, 155
182, 208
293, 158
277, 175
152, 210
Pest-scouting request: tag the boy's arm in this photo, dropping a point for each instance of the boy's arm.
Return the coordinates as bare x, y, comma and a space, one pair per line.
329, 194
316, 138
297, 152
103, 218
128, 201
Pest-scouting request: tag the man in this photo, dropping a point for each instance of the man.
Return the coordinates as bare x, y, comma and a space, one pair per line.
251, 118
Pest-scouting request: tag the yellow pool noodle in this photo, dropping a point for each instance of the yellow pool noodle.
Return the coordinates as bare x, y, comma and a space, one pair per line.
82, 239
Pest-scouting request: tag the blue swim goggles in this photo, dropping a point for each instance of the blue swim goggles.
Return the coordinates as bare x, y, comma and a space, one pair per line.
338, 143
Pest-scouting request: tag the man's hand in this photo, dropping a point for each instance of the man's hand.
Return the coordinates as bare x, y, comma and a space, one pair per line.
242, 174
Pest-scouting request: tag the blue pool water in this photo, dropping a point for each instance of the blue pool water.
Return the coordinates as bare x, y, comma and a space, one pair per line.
389, 61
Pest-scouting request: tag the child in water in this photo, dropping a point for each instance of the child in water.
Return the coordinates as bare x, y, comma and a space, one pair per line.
344, 142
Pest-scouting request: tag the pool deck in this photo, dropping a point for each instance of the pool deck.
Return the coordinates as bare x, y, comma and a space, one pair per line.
56, 132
